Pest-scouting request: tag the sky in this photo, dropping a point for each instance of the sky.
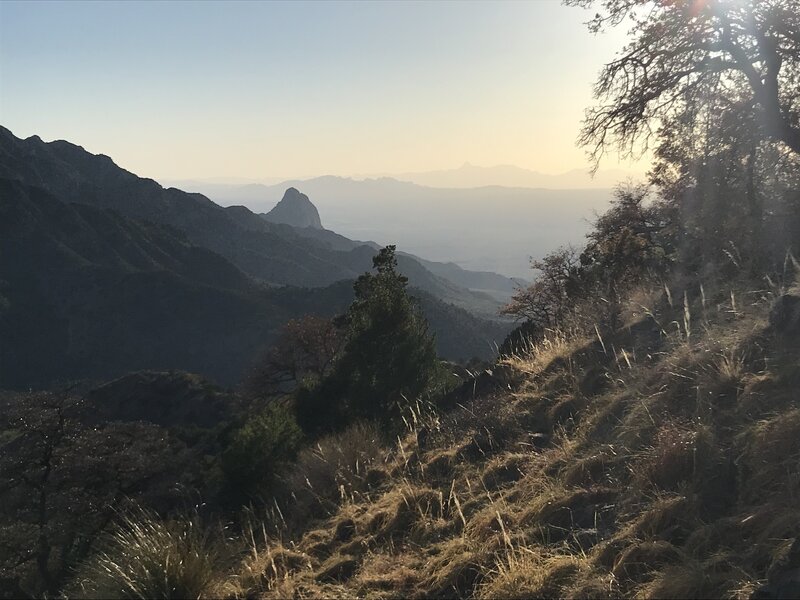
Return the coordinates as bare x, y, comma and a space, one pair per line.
252, 90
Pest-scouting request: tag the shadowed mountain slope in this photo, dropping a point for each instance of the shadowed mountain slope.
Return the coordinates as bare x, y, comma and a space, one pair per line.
274, 253
88, 293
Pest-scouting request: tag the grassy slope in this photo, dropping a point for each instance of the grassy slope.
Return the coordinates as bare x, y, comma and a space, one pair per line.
664, 465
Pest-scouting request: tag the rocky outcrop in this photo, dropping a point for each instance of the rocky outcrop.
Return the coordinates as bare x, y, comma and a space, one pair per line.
295, 209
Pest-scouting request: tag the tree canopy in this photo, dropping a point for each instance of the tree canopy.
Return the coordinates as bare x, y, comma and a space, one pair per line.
684, 51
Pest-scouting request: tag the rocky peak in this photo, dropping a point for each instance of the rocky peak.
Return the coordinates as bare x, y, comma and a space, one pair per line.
295, 209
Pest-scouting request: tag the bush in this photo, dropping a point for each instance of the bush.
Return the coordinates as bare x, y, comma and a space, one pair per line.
144, 557
265, 443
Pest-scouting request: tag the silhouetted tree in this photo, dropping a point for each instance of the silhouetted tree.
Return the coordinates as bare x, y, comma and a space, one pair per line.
546, 302
731, 186
627, 243
681, 52
389, 355
61, 481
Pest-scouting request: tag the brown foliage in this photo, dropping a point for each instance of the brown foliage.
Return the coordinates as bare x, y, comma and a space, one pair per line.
305, 348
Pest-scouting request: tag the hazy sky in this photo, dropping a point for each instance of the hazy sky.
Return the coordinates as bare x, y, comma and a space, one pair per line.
254, 90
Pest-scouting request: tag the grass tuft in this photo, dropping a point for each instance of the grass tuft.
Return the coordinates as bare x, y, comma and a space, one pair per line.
145, 557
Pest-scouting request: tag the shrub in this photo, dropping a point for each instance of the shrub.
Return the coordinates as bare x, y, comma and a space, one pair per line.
144, 557
306, 350
265, 443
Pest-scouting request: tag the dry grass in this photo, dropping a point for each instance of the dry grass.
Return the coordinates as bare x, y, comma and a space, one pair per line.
590, 470
337, 470
505, 470
267, 570
693, 579
526, 573
771, 457
550, 353
563, 488
671, 518
145, 557
680, 454
456, 568
388, 575
407, 511
640, 559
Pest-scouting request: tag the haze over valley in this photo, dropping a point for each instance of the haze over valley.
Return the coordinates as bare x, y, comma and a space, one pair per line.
488, 228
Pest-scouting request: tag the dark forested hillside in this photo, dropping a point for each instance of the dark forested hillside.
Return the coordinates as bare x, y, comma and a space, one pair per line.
87, 292
271, 252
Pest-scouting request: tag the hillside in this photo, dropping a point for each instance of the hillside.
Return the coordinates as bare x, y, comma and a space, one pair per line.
504, 226
648, 464
274, 253
88, 293
588, 388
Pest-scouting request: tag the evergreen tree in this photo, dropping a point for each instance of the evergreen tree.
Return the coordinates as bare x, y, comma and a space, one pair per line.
389, 355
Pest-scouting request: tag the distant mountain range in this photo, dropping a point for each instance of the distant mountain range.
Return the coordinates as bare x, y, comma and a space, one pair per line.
488, 229
103, 272
472, 176
465, 176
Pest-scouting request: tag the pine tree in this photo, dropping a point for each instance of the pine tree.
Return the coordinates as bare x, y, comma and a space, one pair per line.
389, 355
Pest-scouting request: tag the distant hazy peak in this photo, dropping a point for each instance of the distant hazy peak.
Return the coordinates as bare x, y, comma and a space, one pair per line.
295, 209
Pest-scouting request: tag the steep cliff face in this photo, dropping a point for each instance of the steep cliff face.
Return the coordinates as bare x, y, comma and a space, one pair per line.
295, 209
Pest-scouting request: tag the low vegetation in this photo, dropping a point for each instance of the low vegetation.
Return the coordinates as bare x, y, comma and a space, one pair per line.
662, 482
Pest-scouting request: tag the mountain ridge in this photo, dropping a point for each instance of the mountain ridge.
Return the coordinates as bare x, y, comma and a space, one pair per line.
84, 280
481, 229
271, 252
